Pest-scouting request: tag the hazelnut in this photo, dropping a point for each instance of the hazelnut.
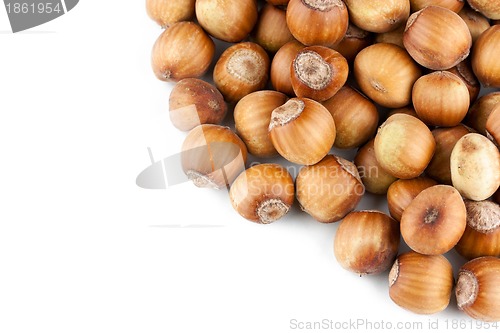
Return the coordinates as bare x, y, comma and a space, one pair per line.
402, 192
228, 21
490, 9
441, 99
330, 189
374, 177
378, 16
404, 146
183, 50
464, 71
302, 131
434, 221
420, 283
263, 193
213, 156
453, 5
480, 111
318, 73
355, 117
493, 126
409, 110
475, 21
367, 242
194, 102
485, 57
354, 41
437, 38
271, 31
241, 69
252, 116
330, 19
392, 37
446, 138
475, 165
280, 67
389, 83
478, 289
482, 234
166, 13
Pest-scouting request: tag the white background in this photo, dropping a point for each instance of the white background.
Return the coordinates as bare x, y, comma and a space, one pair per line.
83, 249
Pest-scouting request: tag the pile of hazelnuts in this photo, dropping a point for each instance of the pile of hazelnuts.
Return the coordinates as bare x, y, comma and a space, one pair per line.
398, 80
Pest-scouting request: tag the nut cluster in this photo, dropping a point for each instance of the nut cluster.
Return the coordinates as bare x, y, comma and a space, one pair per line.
304, 81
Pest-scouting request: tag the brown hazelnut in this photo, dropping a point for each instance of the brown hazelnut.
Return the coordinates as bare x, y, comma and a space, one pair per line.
404, 146
367, 242
478, 289
482, 234
490, 9
480, 111
464, 71
389, 83
194, 102
485, 57
441, 99
271, 31
252, 116
318, 72
446, 138
241, 69
302, 131
434, 221
493, 125
437, 38
280, 67
453, 5
421, 284
166, 13
183, 50
354, 41
330, 21
229, 21
355, 117
402, 192
263, 193
392, 37
213, 156
374, 177
409, 110
475, 21
378, 16
330, 189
